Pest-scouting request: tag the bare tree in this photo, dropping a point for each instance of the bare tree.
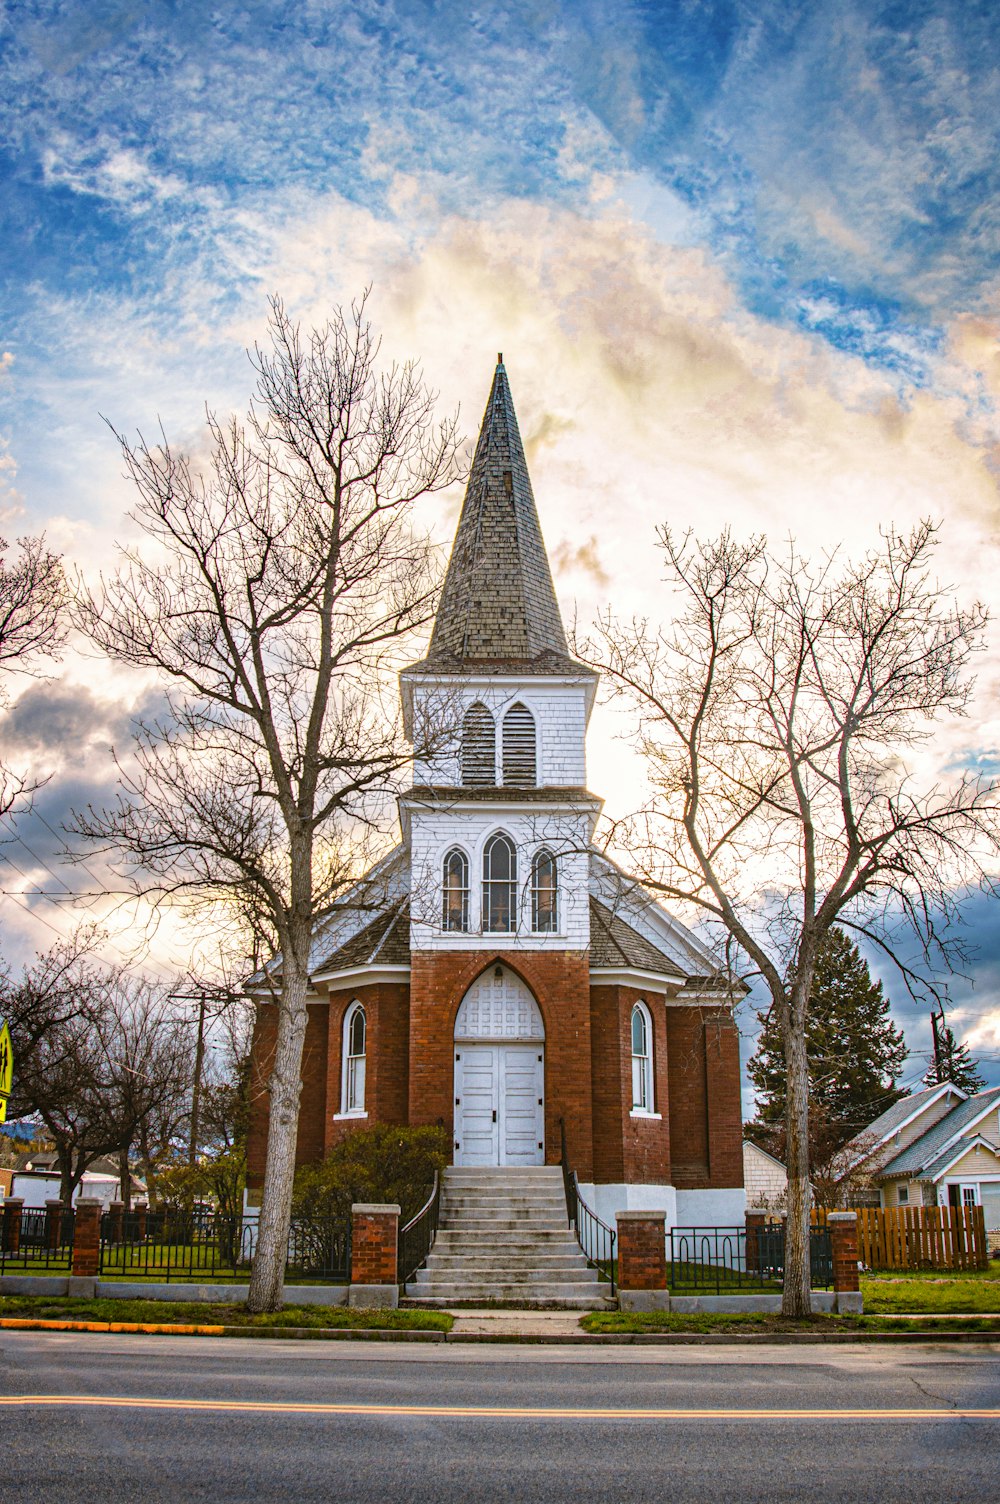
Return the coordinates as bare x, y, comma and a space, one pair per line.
778, 718
33, 598
284, 579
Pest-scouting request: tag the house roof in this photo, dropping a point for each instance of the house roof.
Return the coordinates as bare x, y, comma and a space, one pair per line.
955, 1152
613, 942
899, 1113
498, 606
918, 1157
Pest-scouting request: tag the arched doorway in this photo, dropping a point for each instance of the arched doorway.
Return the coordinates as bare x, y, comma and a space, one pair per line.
499, 1073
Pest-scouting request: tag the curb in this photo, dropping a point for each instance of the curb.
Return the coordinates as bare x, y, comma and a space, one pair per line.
532, 1339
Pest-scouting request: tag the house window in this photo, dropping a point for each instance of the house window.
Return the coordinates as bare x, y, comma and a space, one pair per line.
903, 1195
544, 891
355, 1054
455, 891
642, 1059
970, 1195
500, 885
519, 747
479, 752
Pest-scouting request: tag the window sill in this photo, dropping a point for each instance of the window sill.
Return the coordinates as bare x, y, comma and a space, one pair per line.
640, 1112
342, 1117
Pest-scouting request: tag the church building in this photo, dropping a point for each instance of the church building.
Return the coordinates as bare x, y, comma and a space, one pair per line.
515, 985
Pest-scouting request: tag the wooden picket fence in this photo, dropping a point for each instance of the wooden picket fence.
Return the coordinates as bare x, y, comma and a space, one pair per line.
920, 1237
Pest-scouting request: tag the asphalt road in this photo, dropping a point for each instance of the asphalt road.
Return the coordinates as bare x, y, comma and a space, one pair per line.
257, 1420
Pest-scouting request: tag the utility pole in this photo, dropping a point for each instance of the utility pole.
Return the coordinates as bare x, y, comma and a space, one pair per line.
199, 1057
938, 1048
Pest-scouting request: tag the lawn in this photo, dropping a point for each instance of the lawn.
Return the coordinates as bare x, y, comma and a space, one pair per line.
932, 1293
211, 1313
762, 1323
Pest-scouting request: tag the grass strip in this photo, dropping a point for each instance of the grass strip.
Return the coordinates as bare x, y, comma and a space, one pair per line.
215, 1313
764, 1323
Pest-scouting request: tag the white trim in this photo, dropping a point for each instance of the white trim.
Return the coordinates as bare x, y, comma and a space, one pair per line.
363, 976
348, 1117
962, 1149
346, 1060
645, 1061
650, 1117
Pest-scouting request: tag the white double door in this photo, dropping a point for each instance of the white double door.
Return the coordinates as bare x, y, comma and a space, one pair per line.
500, 1104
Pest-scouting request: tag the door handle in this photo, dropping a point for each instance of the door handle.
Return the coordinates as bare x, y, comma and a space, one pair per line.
494, 1114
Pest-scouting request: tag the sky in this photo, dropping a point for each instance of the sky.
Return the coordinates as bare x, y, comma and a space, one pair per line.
741, 259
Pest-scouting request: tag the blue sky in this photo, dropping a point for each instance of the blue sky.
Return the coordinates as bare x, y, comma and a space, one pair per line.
738, 255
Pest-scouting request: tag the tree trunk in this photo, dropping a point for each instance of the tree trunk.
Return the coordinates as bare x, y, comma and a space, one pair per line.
267, 1275
797, 1297
125, 1180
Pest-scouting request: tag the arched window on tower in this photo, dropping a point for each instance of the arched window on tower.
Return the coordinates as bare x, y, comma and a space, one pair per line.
455, 891
479, 748
544, 893
500, 885
519, 770
355, 1057
642, 1059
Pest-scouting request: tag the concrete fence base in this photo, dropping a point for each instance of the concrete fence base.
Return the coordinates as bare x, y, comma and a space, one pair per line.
824, 1302
90, 1288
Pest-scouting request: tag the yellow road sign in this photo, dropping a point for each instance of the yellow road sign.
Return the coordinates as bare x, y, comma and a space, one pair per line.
6, 1069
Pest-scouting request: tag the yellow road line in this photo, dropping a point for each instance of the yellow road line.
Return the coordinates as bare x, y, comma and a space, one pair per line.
480, 1412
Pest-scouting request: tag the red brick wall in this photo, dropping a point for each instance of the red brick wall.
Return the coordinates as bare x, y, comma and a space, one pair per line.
312, 1102
688, 1097
642, 1252
627, 1148
387, 1011
725, 1113
373, 1248
560, 982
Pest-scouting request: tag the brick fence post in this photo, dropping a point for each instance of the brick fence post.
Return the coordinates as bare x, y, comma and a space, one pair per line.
843, 1227
116, 1221
756, 1222
87, 1237
642, 1259
374, 1233
141, 1208
12, 1209
53, 1224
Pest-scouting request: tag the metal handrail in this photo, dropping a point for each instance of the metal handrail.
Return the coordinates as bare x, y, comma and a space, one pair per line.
596, 1238
416, 1239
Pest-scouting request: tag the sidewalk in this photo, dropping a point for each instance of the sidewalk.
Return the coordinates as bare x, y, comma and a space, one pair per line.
492, 1323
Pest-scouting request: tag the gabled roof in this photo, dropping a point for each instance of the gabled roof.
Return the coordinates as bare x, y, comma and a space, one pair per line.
956, 1151
498, 605
917, 1158
903, 1111
384, 942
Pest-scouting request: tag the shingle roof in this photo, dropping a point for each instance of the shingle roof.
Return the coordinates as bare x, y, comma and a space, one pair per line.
922, 1154
384, 942
897, 1114
498, 606
615, 943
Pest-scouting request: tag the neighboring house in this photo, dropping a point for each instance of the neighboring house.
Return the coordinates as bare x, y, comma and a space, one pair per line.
35, 1181
939, 1147
764, 1177
497, 974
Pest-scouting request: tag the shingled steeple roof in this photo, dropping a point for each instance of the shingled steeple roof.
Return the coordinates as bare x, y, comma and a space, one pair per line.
498, 606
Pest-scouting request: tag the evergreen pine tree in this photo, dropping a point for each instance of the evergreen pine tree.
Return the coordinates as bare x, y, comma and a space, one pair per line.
855, 1054
953, 1063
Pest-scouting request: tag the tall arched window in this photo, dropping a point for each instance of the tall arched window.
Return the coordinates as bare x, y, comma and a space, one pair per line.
355, 1055
519, 747
500, 885
642, 1059
455, 891
479, 748
544, 893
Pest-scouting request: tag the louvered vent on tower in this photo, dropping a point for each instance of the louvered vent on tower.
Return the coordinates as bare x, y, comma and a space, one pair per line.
519, 747
478, 748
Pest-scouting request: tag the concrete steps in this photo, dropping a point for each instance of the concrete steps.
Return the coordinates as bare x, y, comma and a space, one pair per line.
504, 1239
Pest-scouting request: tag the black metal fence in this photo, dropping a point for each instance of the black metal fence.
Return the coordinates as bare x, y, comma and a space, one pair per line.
203, 1248
417, 1237
36, 1241
732, 1260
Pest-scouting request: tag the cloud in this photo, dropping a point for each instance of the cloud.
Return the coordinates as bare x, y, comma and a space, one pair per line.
585, 557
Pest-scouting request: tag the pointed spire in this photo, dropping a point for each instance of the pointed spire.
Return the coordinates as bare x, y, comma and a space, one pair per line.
498, 602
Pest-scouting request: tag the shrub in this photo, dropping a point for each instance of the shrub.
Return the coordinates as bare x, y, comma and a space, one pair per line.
377, 1164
